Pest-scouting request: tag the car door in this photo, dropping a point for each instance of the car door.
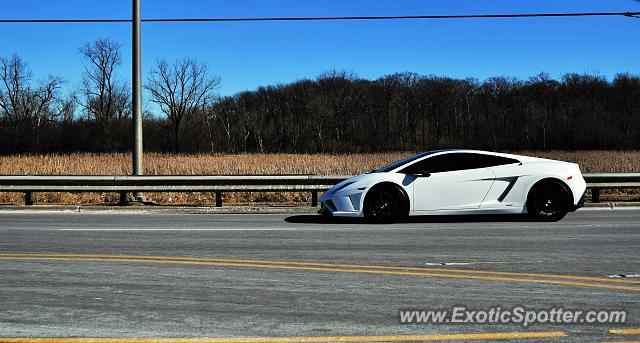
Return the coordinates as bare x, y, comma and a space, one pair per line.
450, 181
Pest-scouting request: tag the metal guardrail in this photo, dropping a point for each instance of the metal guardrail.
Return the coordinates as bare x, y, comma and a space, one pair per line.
598, 181
218, 184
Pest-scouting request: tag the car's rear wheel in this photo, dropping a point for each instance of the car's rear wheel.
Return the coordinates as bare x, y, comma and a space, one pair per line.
548, 201
385, 203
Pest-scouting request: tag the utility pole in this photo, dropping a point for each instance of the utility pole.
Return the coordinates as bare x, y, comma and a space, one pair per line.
136, 83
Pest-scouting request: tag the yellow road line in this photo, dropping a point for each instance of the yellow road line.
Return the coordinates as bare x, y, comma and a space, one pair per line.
395, 338
635, 331
338, 270
313, 264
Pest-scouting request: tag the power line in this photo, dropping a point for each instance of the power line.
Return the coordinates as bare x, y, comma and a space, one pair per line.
405, 17
469, 16
65, 20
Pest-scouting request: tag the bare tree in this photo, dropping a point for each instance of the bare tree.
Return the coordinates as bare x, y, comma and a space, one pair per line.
66, 108
181, 90
106, 99
21, 103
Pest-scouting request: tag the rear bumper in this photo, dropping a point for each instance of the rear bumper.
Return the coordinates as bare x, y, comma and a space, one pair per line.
580, 202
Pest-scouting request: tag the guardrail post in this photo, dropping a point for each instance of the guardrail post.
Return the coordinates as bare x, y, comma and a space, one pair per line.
123, 199
595, 195
314, 199
28, 198
218, 199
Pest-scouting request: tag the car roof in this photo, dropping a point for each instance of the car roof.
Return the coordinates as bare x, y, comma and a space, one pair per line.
475, 151
432, 153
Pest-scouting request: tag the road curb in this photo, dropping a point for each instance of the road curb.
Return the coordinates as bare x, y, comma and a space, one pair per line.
611, 205
252, 209
246, 209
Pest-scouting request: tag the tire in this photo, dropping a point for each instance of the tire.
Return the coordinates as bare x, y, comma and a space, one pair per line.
385, 203
548, 202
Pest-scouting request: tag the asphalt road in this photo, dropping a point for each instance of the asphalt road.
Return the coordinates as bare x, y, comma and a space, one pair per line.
111, 274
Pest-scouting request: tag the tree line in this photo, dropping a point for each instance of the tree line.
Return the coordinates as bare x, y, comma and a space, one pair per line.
335, 112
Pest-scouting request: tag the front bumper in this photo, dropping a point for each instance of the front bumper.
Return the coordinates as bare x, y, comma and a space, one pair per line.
324, 210
342, 204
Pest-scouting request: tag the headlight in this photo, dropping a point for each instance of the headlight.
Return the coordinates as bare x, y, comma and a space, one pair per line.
343, 186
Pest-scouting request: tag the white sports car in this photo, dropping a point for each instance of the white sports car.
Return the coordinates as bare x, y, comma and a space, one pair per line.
452, 182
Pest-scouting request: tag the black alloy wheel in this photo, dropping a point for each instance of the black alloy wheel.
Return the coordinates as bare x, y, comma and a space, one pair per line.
548, 202
385, 204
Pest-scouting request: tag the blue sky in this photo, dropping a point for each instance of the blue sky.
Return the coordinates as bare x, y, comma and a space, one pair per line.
248, 55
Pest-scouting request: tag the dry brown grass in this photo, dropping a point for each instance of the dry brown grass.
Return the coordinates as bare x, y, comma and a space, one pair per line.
211, 164
595, 161
200, 164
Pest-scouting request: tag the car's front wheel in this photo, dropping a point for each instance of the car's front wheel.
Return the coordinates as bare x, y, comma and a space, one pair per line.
385, 203
547, 201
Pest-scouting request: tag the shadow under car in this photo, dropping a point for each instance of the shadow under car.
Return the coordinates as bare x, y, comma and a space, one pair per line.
320, 219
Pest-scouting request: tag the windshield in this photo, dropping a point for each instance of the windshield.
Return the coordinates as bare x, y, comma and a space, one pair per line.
404, 161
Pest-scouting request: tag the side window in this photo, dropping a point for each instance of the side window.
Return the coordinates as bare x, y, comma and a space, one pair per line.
434, 164
456, 161
418, 167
